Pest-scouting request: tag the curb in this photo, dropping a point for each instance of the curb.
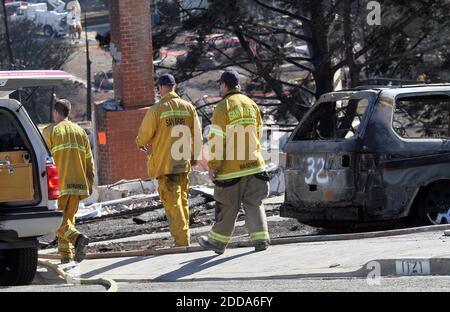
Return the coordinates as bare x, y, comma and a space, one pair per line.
405, 267
275, 241
337, 237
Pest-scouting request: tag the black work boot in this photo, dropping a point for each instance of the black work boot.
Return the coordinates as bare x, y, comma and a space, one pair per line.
80, 247
261, 246
206, 243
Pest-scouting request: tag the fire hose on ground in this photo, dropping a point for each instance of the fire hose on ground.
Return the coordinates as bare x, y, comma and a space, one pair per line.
109, 284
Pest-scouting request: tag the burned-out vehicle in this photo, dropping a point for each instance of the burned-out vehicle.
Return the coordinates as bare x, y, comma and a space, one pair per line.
370, 156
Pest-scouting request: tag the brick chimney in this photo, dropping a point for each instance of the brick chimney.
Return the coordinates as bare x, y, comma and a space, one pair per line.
131, 48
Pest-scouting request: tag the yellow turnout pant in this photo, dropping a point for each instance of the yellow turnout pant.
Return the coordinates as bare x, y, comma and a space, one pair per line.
67, 233
248, 193
173, 191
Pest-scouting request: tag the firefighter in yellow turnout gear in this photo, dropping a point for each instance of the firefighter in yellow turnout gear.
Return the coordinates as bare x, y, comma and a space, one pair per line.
71, 151
161, 129
237, 167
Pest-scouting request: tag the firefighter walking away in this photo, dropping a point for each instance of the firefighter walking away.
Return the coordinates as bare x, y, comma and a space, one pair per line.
156, 139
69, 145
237, 167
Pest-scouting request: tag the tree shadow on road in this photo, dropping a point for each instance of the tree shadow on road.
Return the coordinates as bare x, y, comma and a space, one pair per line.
194, 266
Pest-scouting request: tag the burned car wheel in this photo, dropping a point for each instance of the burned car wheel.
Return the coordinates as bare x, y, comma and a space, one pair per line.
437, 204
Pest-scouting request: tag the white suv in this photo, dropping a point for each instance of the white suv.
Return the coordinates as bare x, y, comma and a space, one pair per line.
29, 183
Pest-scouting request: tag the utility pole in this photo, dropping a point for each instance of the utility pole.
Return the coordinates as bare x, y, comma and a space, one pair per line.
88, 70
7, 39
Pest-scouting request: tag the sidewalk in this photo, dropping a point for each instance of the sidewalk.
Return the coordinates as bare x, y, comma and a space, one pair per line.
349, 258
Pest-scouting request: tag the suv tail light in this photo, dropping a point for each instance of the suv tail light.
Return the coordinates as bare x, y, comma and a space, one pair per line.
52, 182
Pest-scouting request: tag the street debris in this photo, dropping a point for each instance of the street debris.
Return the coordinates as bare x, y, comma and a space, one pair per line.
116, 207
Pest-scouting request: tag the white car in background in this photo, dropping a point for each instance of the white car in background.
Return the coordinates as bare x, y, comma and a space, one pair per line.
53, 23
29, 183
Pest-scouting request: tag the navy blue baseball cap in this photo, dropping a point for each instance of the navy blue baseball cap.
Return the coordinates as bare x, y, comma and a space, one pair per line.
166, 79
230, 78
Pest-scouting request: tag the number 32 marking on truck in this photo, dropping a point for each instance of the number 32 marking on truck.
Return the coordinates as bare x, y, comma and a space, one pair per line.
316, 171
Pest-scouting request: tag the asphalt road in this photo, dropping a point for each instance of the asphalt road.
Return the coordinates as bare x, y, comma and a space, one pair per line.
399, 284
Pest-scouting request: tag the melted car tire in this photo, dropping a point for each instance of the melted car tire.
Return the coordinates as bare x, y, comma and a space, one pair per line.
438, 194
18, 266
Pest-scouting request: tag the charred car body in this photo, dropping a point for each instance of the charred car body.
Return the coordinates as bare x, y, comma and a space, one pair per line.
372, 155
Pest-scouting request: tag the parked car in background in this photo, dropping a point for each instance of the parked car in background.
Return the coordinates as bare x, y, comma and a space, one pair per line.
52, 23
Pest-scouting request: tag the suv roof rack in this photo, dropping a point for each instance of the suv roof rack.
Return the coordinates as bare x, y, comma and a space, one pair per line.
11, 81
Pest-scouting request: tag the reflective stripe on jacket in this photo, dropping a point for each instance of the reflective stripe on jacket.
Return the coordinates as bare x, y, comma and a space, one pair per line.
237, 123
70, 148
156, 130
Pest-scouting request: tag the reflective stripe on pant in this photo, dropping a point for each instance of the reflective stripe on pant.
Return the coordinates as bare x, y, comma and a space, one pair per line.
249, 193
67, 233
173, 191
